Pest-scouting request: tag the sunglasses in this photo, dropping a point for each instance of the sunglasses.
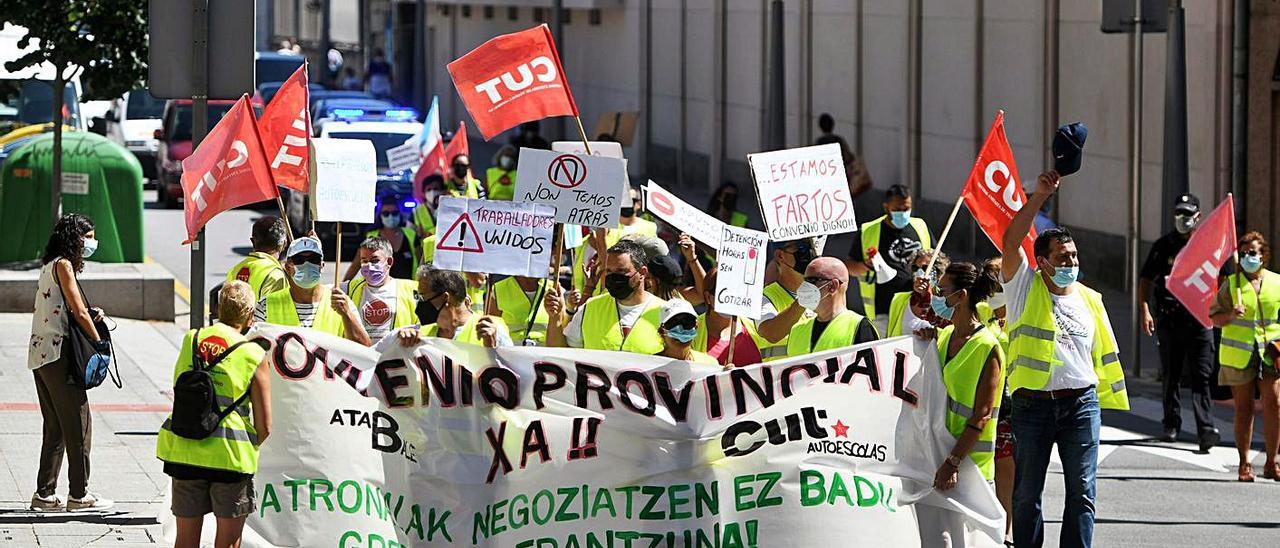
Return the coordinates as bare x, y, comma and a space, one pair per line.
306, 258
818, 281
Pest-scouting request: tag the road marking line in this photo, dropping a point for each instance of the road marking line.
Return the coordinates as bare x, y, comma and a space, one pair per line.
179, 288
99, 407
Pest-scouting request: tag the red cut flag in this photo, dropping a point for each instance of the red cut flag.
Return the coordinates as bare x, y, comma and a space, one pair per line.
457, 145
286, 132
227, 170
992, 193
1194, 278
511, 79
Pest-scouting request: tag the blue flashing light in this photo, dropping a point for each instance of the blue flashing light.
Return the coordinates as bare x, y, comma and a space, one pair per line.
410, 204
348, 112
401, 114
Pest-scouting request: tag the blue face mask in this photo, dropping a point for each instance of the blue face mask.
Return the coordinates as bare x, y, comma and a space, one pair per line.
1251, 263
391, 220
682, 334
306, 275
941, 308
1064, 276
899, 219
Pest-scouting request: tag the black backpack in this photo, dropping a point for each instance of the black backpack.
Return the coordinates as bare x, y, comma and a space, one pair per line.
195, 400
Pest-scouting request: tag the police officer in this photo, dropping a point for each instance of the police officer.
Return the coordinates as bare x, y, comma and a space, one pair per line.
1185, 344
625, 318
832, 325
308, 303
384, 303
894, 238
215, 474
261, 269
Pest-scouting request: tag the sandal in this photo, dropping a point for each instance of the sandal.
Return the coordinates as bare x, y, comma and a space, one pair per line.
1271, 471
1246, 473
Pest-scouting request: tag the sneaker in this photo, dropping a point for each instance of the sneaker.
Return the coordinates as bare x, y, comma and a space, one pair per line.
90, 501
1208, 439
51, 503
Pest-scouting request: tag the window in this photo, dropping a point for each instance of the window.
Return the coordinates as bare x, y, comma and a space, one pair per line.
566, 16
466, 11
593, 17
513, 13
540, 15
488, 12
444, 10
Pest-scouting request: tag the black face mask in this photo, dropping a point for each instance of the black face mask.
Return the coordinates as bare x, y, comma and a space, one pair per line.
460, 171
427, 313
802, 257
618, 285
628, 212
729, 201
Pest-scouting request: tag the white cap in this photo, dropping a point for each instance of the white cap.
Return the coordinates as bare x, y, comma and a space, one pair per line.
304, 245
673, 308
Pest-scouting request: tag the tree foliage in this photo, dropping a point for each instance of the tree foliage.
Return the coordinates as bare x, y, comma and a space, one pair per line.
103, 41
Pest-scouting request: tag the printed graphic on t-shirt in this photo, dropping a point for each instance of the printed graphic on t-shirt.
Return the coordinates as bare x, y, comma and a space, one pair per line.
376, 313
901, 250
1071, 326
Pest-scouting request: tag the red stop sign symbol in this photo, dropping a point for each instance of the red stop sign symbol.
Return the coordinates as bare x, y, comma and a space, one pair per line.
567, 171
662, 203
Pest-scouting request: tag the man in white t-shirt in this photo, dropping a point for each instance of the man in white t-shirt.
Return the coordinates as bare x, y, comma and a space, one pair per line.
1063, 406
383, 303
626, 318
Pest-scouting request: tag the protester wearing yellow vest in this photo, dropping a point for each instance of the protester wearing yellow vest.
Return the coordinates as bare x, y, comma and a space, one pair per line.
215, 474
308, 303
972, 364
500, 180
892, 238
826, 283
780, 311
1063, 368
445, 312
624, 319
261, 269
628, 223
424, 213
724, 204
403, 240
909, 311
713, 332
1250, 325
518, 300
459, 182
384, 303
678, 325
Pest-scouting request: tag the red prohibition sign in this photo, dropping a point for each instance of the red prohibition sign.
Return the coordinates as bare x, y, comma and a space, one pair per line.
567, 171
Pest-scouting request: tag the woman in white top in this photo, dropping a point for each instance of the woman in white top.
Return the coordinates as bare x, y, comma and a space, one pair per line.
64, 407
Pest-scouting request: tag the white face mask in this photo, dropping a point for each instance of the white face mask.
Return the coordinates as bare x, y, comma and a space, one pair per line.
808, 295
90, 246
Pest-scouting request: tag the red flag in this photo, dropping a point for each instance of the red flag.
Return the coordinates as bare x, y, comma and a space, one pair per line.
227, 170
511, 79
457, 146
993, 193
1194, 278
286, 132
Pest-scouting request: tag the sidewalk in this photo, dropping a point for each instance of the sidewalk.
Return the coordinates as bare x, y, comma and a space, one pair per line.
123, 452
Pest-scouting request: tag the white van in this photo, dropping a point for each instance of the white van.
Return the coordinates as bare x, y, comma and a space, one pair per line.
132, 122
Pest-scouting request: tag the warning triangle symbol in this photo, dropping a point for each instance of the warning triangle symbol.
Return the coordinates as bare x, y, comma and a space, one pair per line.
461, 236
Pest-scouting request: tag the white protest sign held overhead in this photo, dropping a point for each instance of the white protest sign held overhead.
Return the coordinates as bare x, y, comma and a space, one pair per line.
803, 192
346, 178
678, 213
586, 190
740, 261
497, 237
608, 149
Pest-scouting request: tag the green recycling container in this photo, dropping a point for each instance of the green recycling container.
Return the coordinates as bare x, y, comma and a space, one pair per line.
100, 179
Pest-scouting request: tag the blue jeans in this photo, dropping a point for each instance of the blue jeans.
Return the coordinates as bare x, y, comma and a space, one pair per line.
1073, 424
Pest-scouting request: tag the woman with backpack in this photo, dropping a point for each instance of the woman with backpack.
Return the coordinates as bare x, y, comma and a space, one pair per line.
221, 415
63, 405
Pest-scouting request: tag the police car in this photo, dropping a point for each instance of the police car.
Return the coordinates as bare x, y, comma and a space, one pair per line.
379, 122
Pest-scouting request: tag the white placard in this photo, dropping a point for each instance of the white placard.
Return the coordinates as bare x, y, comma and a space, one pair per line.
740, 261
586, 190
75, 183
609, 149
346, 179
405, 156
678, 213
803, 192
497, 237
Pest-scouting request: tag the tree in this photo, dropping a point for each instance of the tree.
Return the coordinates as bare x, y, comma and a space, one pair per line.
102, 41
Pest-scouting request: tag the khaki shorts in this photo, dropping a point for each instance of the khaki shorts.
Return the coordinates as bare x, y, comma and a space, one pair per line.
1230, 376
195, 498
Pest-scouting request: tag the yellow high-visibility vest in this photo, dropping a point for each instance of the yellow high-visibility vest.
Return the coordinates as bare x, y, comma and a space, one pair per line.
838, 334
405, 300
601, 329
261, 271
467, 333
281, 311
500, 183
517, 308
1249, 335
781, 299
871, 238
961, 375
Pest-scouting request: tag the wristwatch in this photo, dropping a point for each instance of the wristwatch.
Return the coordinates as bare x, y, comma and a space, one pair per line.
954, 460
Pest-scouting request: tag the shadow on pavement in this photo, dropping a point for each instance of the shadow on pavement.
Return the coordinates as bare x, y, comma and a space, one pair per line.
27, 517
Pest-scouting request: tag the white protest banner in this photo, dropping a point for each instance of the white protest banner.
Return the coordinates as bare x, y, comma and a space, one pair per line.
458, 445
740, 261
586, 190
404, 157
803, 192
610, 149
678, 213
497, 237
346, 179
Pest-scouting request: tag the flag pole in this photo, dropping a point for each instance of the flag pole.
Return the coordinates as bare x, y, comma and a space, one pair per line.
583, 132
733, 338
945, 231
337, 257
271, 174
